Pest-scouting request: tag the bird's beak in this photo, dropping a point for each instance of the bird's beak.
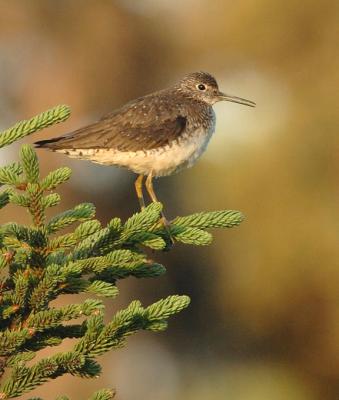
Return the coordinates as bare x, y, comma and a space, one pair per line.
234, 99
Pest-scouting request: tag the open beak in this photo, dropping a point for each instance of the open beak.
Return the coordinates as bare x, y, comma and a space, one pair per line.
234, 99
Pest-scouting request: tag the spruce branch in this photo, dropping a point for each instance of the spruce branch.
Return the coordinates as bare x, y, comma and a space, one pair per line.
212, 219
81, 212
4, 199
30, 163
10, 175
56, 178
40, 121
104, 394
39, 264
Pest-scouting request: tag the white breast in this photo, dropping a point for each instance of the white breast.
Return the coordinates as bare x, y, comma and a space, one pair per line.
160, 162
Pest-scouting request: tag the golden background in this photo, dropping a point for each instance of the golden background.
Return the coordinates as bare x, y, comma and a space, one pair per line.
264, 318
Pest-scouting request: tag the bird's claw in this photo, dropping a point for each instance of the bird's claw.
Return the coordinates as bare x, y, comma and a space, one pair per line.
167, 224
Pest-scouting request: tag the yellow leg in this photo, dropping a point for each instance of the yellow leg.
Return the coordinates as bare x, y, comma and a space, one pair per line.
138, 188
150, 190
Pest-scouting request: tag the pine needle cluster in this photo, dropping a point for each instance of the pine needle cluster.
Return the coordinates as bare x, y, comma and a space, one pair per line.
40, 262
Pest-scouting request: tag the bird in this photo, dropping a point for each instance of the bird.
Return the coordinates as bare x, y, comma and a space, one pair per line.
155, 135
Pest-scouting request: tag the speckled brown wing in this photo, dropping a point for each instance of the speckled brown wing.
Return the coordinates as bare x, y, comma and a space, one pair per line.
142, 124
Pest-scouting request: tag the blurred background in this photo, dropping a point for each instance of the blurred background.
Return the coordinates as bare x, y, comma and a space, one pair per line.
264, 318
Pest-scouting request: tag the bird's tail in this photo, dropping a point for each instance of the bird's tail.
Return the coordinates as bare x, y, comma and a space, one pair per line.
51, 144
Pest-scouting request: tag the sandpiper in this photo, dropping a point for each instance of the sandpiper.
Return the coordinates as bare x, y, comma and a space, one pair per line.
153, 136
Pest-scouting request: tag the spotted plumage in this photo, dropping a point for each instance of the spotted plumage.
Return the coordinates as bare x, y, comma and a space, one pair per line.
154, 135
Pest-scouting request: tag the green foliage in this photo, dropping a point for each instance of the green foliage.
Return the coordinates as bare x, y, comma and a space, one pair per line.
43, 120
105, 394
39, 263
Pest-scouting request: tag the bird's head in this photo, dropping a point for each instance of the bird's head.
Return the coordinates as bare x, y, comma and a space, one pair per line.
204, 87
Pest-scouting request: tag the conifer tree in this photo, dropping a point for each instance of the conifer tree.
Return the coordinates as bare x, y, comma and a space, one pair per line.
39, 263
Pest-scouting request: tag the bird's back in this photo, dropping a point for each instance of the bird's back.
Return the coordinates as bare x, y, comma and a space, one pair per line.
146, 123
161, 132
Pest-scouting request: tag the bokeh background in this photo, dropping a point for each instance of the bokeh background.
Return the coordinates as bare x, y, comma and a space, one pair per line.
264, 318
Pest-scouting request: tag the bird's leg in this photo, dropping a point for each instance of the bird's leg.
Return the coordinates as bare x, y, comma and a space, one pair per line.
138, 188
150, 190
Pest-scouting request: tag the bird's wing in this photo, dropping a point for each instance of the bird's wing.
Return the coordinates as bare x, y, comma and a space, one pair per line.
139, 125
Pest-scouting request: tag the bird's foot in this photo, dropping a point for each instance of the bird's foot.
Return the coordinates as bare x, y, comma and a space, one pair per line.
167, 225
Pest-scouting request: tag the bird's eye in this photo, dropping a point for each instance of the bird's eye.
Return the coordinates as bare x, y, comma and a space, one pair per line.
201, 87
